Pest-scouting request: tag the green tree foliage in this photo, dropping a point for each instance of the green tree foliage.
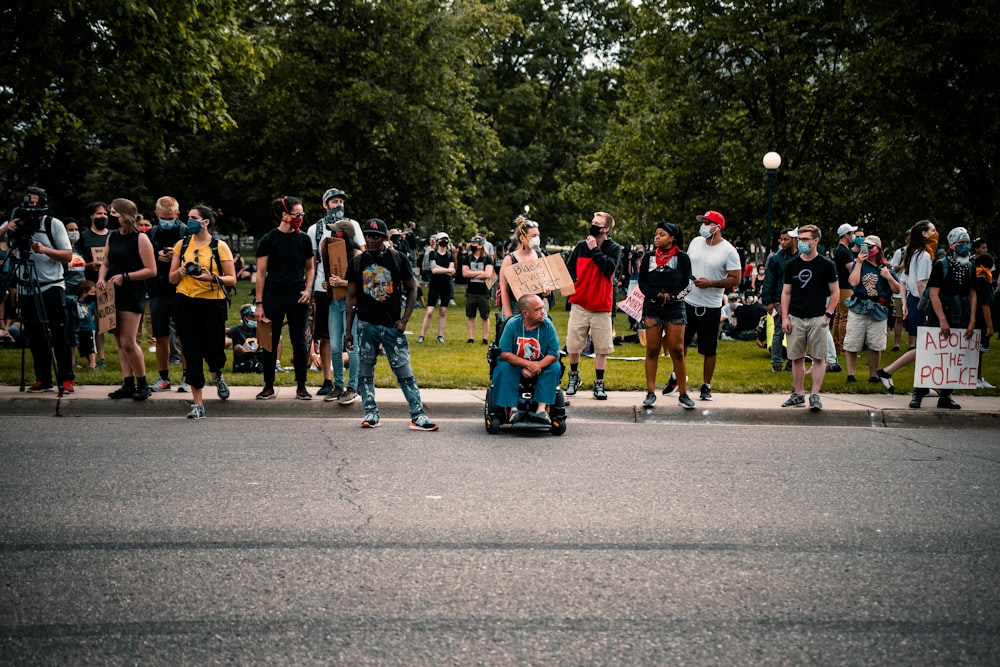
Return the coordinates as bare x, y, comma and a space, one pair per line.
93, 90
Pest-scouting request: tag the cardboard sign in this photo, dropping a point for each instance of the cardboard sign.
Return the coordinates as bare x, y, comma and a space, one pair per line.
98, 253
334, 252
264, 333
946, 363
632, 305
107, 318
539, 275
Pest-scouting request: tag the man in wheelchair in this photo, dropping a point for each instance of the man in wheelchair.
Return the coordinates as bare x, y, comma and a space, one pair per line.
529, 358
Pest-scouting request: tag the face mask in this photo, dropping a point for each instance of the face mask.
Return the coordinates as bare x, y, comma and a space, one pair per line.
335, 213
100, 223
251, 324
73, 236
858, 240
595, 230
804, 248
114, 222
963, 249
705, 231
193, 226
535, 242
295, 222
168, 225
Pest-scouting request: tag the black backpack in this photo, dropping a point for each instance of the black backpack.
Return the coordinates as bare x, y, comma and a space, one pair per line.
214, 245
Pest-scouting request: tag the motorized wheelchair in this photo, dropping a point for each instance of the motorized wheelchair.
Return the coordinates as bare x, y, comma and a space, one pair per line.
497, 417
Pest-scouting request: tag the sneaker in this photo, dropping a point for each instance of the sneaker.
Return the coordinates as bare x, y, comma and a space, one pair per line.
706, 392
794, 401
122, 392
874, 380
671, 385
886, 381
947, 403
574, 383
834, 368
440, 339
67, 387
814, 403
266, 394
599, 392
685, 402
197, 412
539, 418
142, 393
485, 342
333, 395
775, 368
469, 341
851, 379
423, 423
183, 387
303, 394
160, 385
39, 387
101, 363
221, 387
650, 400
984, 384
349, 396
326, 388
420, 339
371, 421
895, 348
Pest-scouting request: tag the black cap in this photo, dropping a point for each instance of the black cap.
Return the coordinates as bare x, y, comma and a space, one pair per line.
375, 226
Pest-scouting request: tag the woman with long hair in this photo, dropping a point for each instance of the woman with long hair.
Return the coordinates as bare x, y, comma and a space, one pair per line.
128, 264
202, 275
918, 258
285, 270
665, 279
529, 248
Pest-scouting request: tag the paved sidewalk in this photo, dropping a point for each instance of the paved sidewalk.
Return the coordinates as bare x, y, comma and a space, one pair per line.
859, 410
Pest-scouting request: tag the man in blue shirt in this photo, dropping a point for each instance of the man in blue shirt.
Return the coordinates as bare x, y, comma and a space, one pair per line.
529, 348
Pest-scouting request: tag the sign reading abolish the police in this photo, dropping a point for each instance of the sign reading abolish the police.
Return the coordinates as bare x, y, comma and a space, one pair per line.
107, 318
946, 363
539, 275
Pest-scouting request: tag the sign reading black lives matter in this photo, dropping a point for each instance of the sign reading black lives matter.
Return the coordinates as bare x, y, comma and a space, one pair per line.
107, 319
534, 277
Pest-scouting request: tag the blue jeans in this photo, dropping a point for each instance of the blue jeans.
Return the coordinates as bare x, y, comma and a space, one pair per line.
338, 323
370, 338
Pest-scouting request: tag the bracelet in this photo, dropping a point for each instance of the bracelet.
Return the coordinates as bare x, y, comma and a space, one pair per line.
258, 303
125, 276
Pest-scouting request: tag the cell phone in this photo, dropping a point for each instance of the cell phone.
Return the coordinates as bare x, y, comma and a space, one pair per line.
864, 248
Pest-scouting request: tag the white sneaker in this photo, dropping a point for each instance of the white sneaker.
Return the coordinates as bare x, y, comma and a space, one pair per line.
983, 384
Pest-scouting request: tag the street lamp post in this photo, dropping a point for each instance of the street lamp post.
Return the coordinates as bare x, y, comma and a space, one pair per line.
771, 162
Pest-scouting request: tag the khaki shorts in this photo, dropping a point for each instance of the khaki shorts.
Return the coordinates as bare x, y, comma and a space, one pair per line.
861, 329
598, 325
807, 334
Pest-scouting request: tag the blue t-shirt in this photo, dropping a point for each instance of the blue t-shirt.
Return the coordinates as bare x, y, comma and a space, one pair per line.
535, 344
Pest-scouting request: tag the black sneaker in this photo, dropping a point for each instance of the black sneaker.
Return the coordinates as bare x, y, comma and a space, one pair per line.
835, 368
122, 392
303, 394
685, 402
650, 400
794, 401
142, 393
574, 383
671, 385
266, 394
815, 404
851, 379
948, 403
706, 392
599, 392
326, 388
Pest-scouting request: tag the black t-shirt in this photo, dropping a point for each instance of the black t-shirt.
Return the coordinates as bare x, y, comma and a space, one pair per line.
810, 283
748, 317
440, 281
844, 259
162, 238
477, 285
955, 286
88, 240
380, 282
287, 255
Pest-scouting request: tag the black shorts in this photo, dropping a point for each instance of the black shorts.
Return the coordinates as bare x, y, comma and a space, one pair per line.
131, 297
321, 316
477, 303
439, 293
85, 343
161, 309
704, 322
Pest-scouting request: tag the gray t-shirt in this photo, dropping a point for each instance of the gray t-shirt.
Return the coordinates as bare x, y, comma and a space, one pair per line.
48, 271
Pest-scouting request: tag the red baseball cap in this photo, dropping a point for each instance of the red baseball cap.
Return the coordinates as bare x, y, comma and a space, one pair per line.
713, 217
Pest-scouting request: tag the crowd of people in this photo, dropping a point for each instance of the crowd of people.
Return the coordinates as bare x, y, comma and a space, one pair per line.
803, 302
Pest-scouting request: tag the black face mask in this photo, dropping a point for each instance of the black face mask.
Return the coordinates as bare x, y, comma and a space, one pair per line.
114, 223
100, 223
595, 230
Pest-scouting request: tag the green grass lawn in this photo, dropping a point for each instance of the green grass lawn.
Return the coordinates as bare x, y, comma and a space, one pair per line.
742, 367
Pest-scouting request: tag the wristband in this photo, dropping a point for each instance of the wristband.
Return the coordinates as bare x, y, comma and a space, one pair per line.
830, 315
125, 276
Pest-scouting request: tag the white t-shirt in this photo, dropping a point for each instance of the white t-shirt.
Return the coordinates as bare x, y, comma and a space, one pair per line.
919, 269
713, 262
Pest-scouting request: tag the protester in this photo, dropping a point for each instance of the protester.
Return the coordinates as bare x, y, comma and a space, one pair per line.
897, 266
526, 247
163, 293
242, 337
918, 260
95, 236
665, 279
529, 348
872, 285
716, 267
770, 293
843, 258
285, 269
984, 311
333, 205
376, 281
477, 269
810, 280
441, 266
592, 266
343, 393
128, 264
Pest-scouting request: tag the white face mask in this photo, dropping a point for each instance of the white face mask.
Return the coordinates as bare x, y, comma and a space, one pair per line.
705, 231
535, 242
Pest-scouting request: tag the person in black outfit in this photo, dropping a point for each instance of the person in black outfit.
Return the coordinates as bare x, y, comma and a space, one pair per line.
665, 278
285, 270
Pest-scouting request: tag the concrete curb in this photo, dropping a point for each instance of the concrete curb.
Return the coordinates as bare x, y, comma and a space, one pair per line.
856, 410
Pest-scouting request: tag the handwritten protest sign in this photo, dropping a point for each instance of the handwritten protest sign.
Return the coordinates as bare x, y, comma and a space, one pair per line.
107, 319
946, 363
334, 253
632, 304
539, 275
98, 253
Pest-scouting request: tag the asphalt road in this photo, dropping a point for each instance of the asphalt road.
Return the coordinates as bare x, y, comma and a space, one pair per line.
156, 541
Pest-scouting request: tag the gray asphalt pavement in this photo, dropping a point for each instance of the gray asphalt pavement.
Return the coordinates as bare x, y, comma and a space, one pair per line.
289, 541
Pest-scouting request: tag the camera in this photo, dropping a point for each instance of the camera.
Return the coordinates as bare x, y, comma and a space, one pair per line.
192, 269
34, 206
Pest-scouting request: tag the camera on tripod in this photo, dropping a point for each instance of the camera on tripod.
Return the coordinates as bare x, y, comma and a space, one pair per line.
29, 215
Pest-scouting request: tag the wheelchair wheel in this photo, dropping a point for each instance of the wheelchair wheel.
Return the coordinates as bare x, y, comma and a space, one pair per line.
557, 412
558, 427
489, 415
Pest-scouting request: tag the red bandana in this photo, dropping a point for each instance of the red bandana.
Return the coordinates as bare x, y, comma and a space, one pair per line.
664, 256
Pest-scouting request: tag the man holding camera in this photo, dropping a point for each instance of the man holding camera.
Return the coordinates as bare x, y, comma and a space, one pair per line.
41, 247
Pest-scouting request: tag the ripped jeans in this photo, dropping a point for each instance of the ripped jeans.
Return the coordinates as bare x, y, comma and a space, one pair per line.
370, 338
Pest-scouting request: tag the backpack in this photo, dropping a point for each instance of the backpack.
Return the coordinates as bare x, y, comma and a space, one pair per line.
214, 245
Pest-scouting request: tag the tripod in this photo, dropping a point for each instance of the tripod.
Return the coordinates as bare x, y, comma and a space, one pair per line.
22, 272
